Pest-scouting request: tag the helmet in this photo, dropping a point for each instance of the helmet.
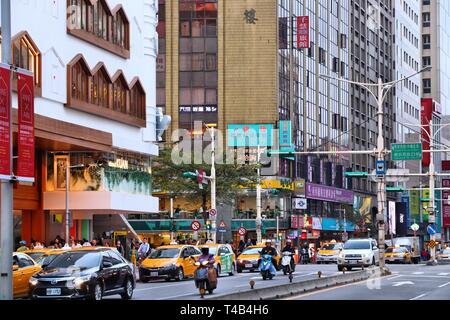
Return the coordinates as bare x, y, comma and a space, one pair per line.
288, 241
23, 242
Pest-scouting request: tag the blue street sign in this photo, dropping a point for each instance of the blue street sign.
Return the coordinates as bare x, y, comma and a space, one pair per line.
222, 230
431, 229
381, 167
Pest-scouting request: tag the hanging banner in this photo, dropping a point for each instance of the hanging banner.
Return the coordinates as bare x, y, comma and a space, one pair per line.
446, 203
5, 122
302, 32
25, 93
426, 114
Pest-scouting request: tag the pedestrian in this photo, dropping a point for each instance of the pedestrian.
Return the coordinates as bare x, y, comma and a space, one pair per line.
249, 243
86, 243
177, 212
94, 242
424, 254
144, 249
120, 248
23, 246
241, 246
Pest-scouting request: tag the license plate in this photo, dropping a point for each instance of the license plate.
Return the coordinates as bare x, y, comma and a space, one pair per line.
53, 291
153, 274
248, 265
353, 261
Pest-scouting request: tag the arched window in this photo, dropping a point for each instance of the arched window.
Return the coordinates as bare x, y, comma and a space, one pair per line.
120, 89
120, 29
137, 100
101, 21
100, 86
79, 16
80, 77
26, 55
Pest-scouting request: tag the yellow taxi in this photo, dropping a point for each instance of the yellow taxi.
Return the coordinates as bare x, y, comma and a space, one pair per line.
35, 254
169, 262
248, 259
329, 252
397, 254
23, 269
224, 257
49, 256
444, 256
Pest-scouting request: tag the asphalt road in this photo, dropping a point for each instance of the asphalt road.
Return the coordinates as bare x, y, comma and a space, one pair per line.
407, 282
186, 290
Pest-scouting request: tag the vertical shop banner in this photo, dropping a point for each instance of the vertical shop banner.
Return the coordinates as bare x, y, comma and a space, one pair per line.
446, 203
25, 93
392, 218
424, 205
302, 32
426, 113
405, 199
414, 207
5, 122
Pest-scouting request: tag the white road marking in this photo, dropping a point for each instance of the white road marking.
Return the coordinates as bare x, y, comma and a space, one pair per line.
418, 272
399, 284
443, 274
418, 297
443, 285
394, 277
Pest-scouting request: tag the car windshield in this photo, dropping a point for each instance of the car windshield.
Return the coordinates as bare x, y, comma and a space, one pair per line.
357, 245
82, 260
332, 246
252, 251
46, 259
446, 251
395, 250
35, 255
166, 253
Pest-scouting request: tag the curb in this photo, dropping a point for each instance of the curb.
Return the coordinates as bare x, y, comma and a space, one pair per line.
290, 289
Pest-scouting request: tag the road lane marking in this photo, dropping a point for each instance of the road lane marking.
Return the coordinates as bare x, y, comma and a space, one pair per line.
443, 274
418, 272
443, 285
418, 297
394, 277
399, 284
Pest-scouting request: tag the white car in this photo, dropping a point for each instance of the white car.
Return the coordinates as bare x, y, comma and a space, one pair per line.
358, 253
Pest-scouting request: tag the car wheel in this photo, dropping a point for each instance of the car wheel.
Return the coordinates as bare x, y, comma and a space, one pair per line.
128, 290
180, 274
218, 270
373, 261
340, 268
233, 268
97, 293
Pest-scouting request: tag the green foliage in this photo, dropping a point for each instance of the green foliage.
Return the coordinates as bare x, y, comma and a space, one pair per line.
168, 177
141, 180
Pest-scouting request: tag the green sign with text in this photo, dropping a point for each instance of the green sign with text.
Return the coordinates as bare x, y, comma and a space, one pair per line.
406, 151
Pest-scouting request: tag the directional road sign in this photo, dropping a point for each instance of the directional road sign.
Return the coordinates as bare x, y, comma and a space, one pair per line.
431, 229
406, 151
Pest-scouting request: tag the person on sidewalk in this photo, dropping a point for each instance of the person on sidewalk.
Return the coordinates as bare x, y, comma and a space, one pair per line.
23, 246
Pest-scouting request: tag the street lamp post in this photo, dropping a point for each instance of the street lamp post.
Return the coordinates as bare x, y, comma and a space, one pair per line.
258, 200
212, 178
67, 199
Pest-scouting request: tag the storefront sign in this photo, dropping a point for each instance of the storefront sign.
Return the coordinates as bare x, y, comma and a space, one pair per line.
325, 193
250, 135
5, 122
332, 224
405, 200
299, 203
414, 206
299, 188
317, 223
426, 113
293, 234
446, 203
302, 32
316, 234
297, 222
392, 219
25, 92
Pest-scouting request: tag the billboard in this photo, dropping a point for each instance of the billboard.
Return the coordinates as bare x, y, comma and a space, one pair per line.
426, 113
445, 203
302, 32
250, 135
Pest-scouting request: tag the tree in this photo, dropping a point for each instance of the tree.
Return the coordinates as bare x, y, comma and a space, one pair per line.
230, 178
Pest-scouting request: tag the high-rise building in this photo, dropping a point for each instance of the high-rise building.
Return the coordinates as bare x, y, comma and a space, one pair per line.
372, 57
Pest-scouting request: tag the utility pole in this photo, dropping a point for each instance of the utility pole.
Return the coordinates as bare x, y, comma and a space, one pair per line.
6, 220
171, 220
431, 209
258, 200
213, 184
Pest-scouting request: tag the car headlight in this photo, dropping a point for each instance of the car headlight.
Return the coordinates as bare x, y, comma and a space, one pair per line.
241, 261
33, 281
78, 282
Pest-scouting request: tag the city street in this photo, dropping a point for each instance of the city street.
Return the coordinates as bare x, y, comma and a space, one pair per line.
185, 290
407, 282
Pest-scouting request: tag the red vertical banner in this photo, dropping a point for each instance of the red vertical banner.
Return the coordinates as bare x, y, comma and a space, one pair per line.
5, 122
445, 203
302, 32
25, 93
426, 113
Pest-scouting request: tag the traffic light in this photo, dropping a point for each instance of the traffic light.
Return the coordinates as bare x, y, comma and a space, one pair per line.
208, 225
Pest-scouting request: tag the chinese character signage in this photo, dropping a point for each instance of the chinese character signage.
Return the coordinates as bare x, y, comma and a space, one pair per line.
426, 114
25, 90
5, 125
445, 203
302, 32
414, 206
325, 193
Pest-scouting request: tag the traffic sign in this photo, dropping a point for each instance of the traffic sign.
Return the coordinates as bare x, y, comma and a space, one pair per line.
242, 231
415, 227
195, 226
222, 227
431, 229
406, 151
432, 244
381, 167
212, 212
299, 203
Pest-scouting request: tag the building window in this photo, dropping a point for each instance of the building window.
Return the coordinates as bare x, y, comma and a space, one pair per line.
94, 91
426, 40
426, 61
426, 19
335, 67
322, 56
26, 55
426, 85
96, 23
343, 41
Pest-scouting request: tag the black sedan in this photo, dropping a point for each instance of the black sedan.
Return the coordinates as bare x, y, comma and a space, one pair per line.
90, 274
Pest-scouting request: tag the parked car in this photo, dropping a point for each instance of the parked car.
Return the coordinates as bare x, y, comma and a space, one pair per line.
397, 254
224, 257
24, 267
444, 256
91, 274
329, 253
248, 259
358, 253
169, 262
412, 244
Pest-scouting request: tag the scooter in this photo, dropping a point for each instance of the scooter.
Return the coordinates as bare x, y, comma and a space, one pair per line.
305, 256
286, 264
266, 267
205, 278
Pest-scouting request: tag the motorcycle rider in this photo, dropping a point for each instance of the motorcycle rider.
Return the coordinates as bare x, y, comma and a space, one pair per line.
268, 249
290, 249
206, 256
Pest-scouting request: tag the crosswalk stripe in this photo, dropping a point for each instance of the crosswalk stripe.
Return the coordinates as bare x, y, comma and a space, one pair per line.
443, 274
418, 272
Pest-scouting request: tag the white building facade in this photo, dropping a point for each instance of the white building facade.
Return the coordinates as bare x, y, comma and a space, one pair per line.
94, 64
